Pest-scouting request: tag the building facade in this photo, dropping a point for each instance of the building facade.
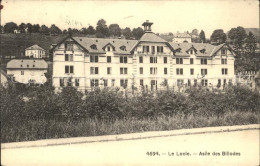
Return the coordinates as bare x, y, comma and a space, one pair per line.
27, 71
35, 51
181, 38
150, 62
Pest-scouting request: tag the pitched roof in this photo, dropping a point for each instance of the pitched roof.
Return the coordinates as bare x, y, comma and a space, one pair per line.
101, 42
27, 64
34, 47
151, 37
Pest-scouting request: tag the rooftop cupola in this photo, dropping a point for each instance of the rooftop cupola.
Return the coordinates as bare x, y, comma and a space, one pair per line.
147, 26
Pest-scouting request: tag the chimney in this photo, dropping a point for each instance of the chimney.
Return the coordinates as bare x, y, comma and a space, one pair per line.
147, 26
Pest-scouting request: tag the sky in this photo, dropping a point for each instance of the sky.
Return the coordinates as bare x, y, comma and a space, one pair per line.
167, 16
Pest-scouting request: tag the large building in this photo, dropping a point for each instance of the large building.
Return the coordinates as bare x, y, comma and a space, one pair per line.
35, 51
151, 62
27, 71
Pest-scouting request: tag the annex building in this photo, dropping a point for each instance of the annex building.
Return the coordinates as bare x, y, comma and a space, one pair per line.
150, 62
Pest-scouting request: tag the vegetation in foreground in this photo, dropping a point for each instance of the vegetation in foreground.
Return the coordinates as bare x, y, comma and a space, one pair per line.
39, 113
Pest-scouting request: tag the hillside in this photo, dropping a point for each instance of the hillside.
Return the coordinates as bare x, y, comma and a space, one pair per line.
15, 44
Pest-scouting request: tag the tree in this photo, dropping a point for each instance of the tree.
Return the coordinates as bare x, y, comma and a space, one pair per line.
55, 30
35, 28
138, 33
91, 30
237, 36
202, 36
195, 32
218, 36
114, 30
22, 27
1, 29
127, 33
29, 27
10, 27
250, 43
64, 31
102, 29
44, 29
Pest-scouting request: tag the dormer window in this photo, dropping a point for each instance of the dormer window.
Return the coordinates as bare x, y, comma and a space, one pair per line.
123, 48
203, 51
108, 48
191, 51
93, 46
178, 50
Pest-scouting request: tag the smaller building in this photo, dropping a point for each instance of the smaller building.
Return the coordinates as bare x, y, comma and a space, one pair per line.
35, 51
181, 38
27, 71
3, 78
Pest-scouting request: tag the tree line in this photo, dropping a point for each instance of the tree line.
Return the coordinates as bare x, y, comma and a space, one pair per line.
102, 30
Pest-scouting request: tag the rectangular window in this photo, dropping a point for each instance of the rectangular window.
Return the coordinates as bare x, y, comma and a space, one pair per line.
105, 83
219, 82
22, 72
69, 82
68, 57
223, 61
223, 51
191, 71
113, 82
68, 46
93, 58
203, 61
153, 49
153, 59
109, 70
179, 60
204, 82
93, 70
165, 59
191, 61
108, 59
123, 83
123, 70
195, 82
165, 70
108, 48
123, 59
77, 82
224, 71
61, 82
191, 51
179, 82
94, 83
141, 70
140, 59
204, 72
189, 83
153, 70
179, 71
141, 82
160, 49
69, 69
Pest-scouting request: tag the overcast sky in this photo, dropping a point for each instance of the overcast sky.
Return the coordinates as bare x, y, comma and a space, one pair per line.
167, 16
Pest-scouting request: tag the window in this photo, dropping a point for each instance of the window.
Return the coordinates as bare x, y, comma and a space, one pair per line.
68, 46
195, 82
140, 59
105, 83
123, 70
224, 71
68, 57
93, 70
153, 59
141, 82
153, 70
191, 61
22, 72
69, 82
94, 83
153, 49
69, 69
61, 82
123, 59
223, 51
189, 83
108, 59
191, 51
204, 72
165, 70
123, 48
108, 48
179, 82
223, 61
123, 83
179, 60
219, 82
109, 70
160, 49
113, 82
146, 49
93, 58
141, 70
77, 82
203, 61
191, 71
165, 59
179, 71
204, 82
224, 82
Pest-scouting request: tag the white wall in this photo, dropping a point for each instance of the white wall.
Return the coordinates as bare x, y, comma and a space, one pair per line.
28, 74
